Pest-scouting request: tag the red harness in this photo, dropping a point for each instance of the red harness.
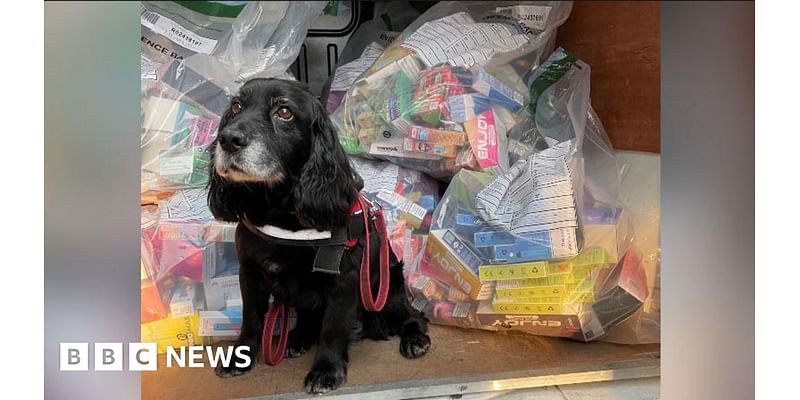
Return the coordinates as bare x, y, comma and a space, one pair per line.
370, 304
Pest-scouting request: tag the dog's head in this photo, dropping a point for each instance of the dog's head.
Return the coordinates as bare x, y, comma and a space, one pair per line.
276, 136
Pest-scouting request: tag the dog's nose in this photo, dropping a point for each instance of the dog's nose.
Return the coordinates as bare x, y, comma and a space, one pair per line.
232, 140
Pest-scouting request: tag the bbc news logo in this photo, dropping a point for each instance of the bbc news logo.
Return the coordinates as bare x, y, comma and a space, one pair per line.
144, 356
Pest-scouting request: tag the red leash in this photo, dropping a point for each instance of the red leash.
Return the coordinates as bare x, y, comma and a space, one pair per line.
370, 304
269, 328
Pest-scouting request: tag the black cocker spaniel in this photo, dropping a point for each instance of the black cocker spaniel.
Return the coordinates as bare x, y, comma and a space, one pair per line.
277, 163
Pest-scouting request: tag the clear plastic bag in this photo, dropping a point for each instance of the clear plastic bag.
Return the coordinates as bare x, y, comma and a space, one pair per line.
444, 95
194, 55
176, 133
537, 270
189, 266
181, 109
366, 44
190, 290
236, 39
640, 193
545, 246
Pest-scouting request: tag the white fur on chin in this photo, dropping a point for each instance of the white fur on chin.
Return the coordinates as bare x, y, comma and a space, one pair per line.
237, 176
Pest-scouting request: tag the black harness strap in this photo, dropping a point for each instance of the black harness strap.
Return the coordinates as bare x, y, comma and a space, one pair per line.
328, 251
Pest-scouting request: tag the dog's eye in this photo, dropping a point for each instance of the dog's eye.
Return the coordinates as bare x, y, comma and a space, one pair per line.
285, 114
236, 108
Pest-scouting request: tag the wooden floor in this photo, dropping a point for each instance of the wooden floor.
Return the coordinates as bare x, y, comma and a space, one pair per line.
455, 353
631, 389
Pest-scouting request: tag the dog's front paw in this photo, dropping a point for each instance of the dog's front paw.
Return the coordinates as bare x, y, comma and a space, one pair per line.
232, 370
325, 376
296, 348
237, 366
415, 345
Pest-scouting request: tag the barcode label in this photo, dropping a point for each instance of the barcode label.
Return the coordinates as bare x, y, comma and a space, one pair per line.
591, 326
533, 17
419, 303
403, 204
177, 33
461, 310
413, 209
421, 282
456, 295
229, 233
150, 17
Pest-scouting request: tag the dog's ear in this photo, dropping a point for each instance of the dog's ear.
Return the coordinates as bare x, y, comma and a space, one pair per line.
325, 190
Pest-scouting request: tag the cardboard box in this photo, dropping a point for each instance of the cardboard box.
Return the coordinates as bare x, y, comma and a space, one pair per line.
433, 290
581, 325
226, 322
500, 272
179, 250
436, 135
219, 258
457, 267
563, 272
437, 149
173, 332
222, 290
484, 140
624, 291
555, 304
454, 313
184, 301
429, 288
220, 275
498, 92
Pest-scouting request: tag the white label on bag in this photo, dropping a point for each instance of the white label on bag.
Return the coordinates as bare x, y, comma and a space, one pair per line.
378, 182
419, 303
534, 17
405, 205
590, 325
563, 243
175, 32
376, 175
535, 195
458, 40
461, 310
421, 282
149, 69
186, 205
176, 165
394, 147
346, 74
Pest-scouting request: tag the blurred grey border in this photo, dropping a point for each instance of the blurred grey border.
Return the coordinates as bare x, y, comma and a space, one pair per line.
707, 205
92, 183
92, 162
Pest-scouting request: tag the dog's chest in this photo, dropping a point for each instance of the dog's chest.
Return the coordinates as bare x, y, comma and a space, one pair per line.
295, 285
273, 269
